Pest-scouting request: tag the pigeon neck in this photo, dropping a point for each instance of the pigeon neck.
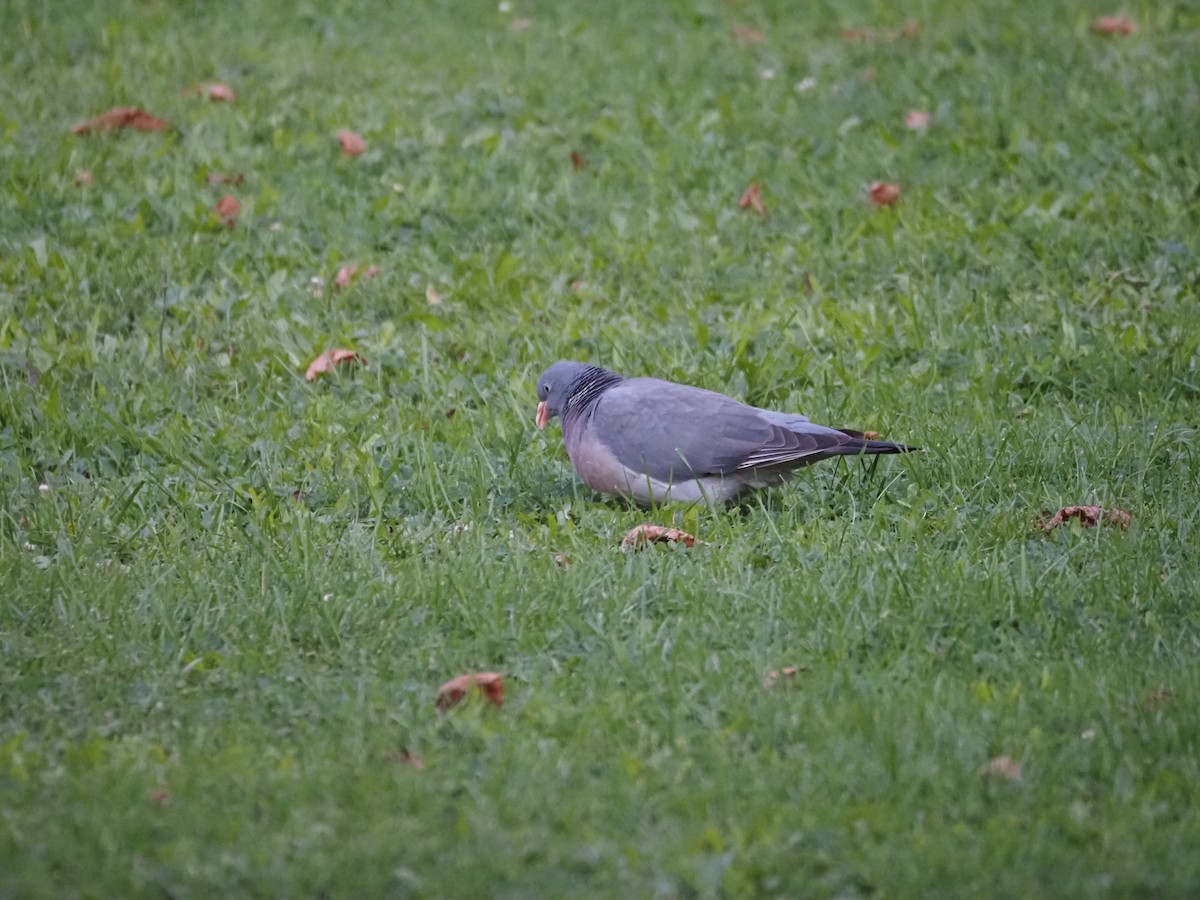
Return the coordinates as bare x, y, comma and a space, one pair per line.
587, 389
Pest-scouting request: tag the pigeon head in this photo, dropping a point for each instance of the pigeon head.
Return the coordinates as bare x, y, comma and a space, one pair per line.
567, 386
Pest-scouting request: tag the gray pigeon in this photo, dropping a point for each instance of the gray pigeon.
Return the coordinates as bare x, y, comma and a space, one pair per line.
655, 441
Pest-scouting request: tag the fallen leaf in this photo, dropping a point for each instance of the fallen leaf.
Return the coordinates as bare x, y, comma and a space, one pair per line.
1162, 694
348, 273
405, 758
343, 276
883, 193
228, 209
218, 92
752, 199
562, 561
871, 435
160, 797
640, 535
519, 25
786, 673
224, 178
1002, 767
916, 120
432, 296
121, 117
1088, 516
330, 358
491, 684
1113, 25
84, 178
867, 35
858, 34
352, 143
744, 34
578, 161
215, 91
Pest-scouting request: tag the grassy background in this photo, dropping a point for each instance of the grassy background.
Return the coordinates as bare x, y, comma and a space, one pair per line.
233, 603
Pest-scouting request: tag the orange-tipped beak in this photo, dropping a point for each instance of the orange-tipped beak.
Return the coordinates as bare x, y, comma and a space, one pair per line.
542, 416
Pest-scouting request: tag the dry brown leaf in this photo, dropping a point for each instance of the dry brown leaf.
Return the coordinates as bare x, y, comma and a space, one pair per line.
1107, 25
577, 160
883, 193
1158, 697
228, 209
491, 684
858, 34
343, 276
121, 117
1088, 516
84, 178
432, 296
562, 561
786, 673
640, 535
916, 120
160, 797
351, 142
752, 199
744, 34
1002, 767
330, 358
868, 35
871, 435
224, 178
218, 92
405, 758
350, 273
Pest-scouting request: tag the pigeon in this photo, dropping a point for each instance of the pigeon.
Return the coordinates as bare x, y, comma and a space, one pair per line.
656, 441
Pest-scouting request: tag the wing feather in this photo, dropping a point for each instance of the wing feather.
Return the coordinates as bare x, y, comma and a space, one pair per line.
674, 432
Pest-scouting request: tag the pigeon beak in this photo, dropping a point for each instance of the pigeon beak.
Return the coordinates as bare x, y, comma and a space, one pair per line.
542, 416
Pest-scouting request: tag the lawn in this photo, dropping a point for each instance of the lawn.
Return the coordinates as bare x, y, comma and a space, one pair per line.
230, 594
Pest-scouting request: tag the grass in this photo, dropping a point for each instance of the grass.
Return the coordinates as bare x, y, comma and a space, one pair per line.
228, 611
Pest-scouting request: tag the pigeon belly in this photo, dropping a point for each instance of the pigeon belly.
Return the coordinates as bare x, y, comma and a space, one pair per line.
602, 471
598, 469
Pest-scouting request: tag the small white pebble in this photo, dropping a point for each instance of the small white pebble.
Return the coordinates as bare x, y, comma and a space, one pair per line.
43, 488
1088, 734
327, 597
766, 74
